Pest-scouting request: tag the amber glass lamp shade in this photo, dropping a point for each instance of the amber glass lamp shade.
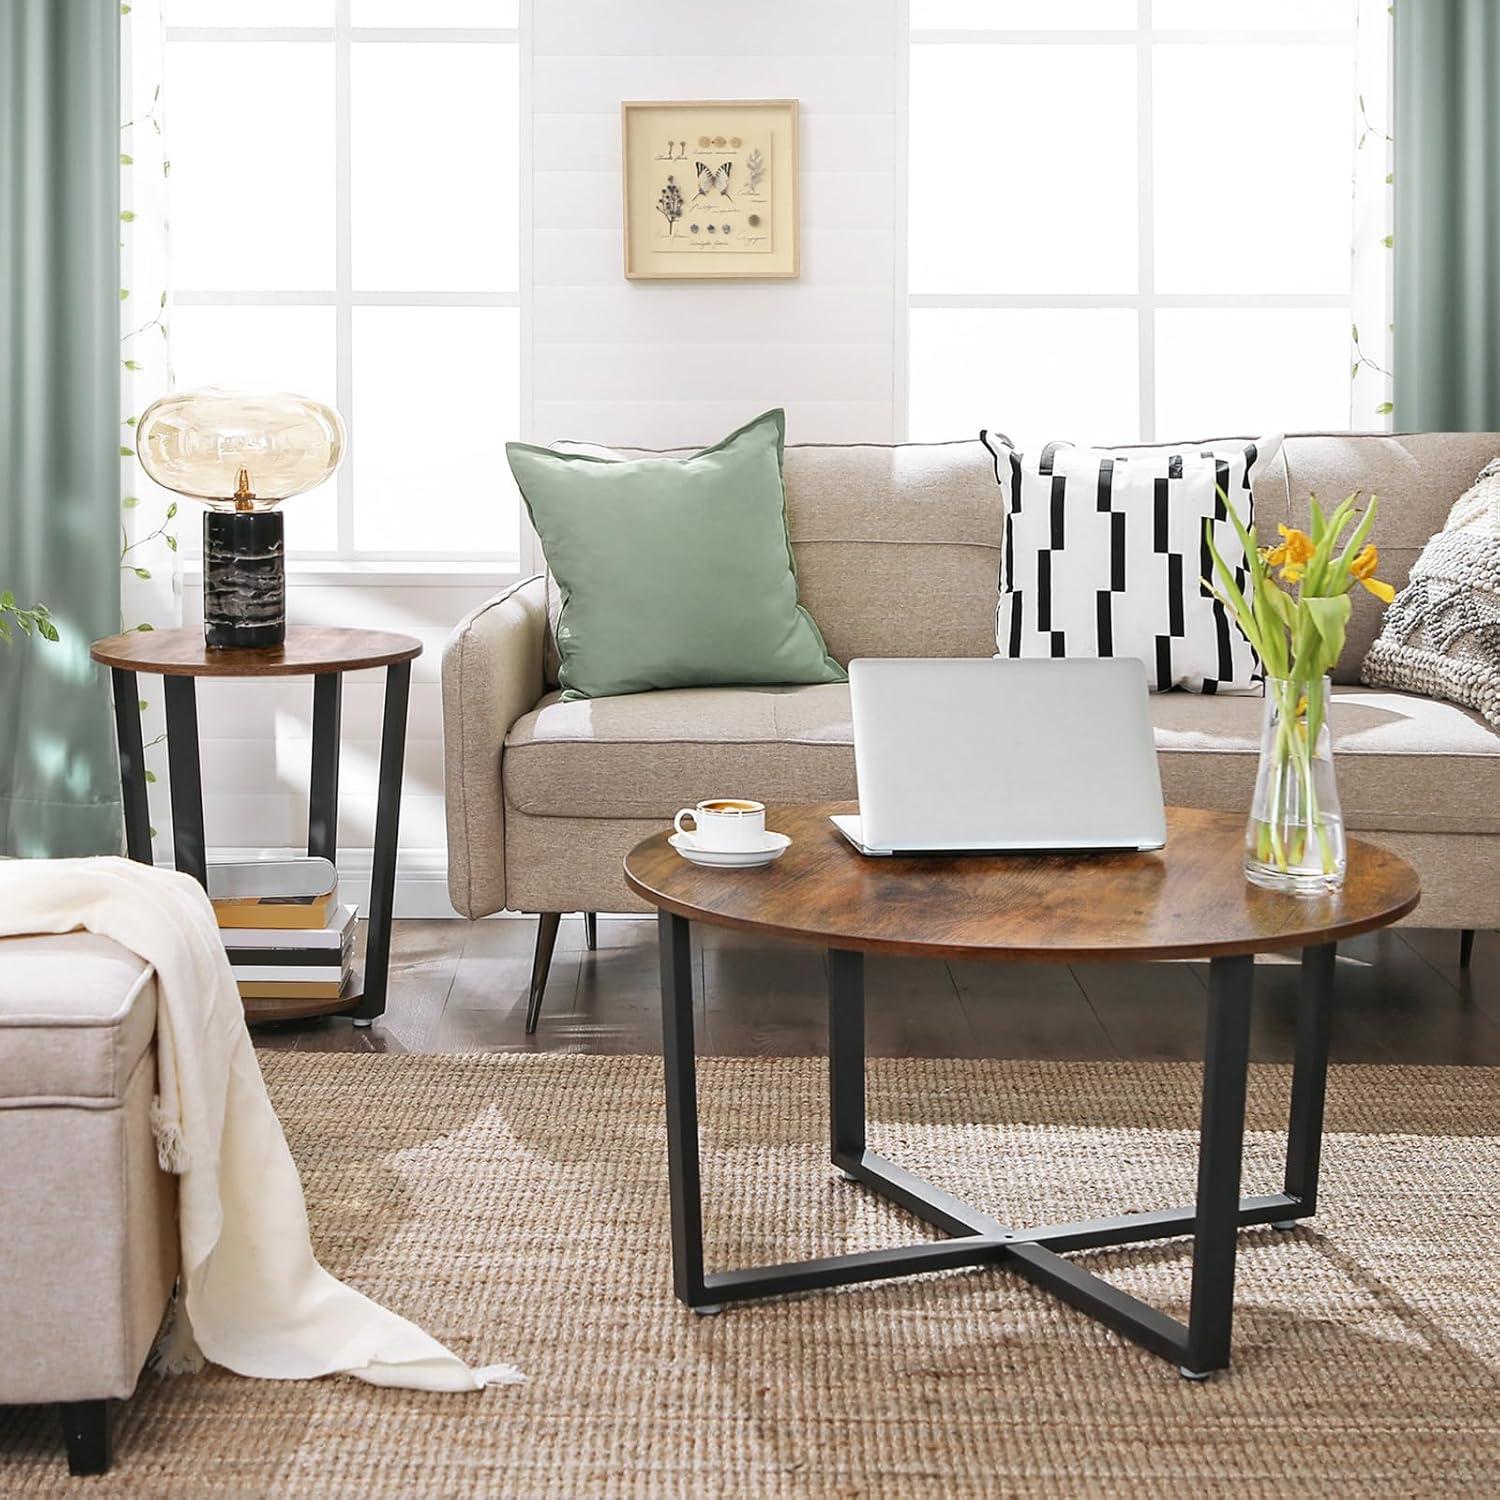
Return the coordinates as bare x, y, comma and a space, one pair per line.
241, 453
239, 450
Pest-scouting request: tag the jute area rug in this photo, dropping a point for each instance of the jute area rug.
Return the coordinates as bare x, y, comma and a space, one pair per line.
517, 1207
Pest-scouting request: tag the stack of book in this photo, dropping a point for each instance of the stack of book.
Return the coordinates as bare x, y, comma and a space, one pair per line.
285, 933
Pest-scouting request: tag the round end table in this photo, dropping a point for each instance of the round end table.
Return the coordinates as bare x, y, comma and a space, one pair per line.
180, 657
1188, 900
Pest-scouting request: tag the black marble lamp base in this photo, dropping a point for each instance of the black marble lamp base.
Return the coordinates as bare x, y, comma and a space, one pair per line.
244, 578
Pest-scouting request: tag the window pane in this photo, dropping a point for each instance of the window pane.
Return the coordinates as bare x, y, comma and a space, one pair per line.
435, 177
433, 12
1034, 374
435, 395
1020, 15
251, 133
247, 12
1022, 169
283, 348
1247, 370
1251, 195
1261, 15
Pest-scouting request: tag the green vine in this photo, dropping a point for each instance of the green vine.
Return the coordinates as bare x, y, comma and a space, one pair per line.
37, 619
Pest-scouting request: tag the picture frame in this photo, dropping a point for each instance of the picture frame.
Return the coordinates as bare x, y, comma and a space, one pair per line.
710, 189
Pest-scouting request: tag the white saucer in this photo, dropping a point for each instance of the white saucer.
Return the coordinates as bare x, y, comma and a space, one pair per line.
775, 846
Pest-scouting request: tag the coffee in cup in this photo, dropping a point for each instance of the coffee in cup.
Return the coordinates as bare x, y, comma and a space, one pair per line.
725, 823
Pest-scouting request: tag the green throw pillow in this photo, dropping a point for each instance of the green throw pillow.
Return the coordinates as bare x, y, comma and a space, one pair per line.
674, 572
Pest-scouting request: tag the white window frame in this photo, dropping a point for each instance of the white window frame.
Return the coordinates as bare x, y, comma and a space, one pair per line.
344, 562
1145, 300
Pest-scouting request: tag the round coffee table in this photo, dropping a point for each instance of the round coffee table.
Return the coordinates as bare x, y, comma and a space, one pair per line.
180, 657
1189, 900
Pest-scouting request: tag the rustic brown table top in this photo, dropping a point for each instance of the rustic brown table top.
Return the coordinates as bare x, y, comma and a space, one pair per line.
1189, 900
181, 652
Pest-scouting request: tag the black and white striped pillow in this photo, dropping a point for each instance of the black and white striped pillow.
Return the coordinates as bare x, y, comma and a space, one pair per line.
1104, 552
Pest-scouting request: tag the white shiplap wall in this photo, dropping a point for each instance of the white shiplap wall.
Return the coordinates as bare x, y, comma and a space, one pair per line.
661, 363
612, 361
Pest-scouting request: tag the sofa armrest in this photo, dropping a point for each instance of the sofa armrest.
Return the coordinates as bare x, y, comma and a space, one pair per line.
492, 675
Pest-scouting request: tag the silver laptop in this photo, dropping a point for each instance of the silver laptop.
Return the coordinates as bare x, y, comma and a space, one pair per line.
993, 756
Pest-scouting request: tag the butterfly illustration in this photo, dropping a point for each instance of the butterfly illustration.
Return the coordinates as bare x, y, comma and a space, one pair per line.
710, 178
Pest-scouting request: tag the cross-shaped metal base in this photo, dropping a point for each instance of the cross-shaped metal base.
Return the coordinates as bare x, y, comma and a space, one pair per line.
1198, 1347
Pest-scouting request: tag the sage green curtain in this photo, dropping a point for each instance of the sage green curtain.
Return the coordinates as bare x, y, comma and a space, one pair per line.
59, 418
1447, 246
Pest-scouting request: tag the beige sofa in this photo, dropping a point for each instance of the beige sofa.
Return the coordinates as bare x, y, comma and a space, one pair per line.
898, 553
88, 1221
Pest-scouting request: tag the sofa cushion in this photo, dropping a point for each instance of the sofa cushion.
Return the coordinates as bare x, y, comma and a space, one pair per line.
77, 1012
1404, 763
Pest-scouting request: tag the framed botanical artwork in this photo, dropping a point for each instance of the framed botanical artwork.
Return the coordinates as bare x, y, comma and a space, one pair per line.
710, 189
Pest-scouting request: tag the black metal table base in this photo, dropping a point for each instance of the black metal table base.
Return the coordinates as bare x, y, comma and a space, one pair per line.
1197, 1347
185, 786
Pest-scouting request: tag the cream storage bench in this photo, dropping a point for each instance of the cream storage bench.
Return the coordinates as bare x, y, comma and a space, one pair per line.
88, 1232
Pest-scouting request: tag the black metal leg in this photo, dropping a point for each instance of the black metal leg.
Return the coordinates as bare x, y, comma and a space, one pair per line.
86, 1431
846, 1056
591, 930
387, 824
323, 785
1304, 1138
1220, 1148
183, 771
132, 765
541, 962
1465, 947
681, 1078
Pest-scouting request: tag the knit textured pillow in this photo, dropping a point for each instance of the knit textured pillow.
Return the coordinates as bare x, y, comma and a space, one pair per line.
1441, 634
1104, 555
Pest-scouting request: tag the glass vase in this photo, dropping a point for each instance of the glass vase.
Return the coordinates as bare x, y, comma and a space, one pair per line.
1295, 838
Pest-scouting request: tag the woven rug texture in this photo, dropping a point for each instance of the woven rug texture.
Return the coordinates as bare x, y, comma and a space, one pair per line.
517, 1207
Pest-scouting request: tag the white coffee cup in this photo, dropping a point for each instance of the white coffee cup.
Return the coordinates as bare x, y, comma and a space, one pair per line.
725, 823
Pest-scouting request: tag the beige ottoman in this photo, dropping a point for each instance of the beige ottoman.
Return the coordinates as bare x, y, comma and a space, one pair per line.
88, 1234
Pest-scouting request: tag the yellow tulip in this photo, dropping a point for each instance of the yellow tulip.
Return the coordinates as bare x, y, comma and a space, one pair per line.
1363, 570
1295, 547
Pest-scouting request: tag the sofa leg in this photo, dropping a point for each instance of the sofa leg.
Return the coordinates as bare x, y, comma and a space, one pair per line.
591, 930
1465, 947
546, 940
86, 1430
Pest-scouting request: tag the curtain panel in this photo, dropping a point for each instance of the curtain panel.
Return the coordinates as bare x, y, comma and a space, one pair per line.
59, 418
1447, 240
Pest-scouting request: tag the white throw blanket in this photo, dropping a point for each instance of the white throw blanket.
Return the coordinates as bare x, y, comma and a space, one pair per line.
253, 1293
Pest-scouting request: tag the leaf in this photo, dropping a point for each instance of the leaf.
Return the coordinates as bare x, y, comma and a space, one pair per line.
7, 600
48, 630
1328, 617
126, 159
130, 502
142, 572
142, 706
127, 216
1389, 241
171, 543
126, 452
1385, 408
171, 510
132, 364
4, 628
150, 775
124, 293
145, 625
1354, 331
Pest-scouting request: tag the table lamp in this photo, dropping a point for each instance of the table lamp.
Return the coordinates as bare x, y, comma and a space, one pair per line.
240, 453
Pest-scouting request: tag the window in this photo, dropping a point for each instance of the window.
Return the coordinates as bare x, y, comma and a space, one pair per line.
1129, 220
345, 222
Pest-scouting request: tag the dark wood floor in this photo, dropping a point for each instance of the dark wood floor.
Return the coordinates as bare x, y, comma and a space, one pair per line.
459, 987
